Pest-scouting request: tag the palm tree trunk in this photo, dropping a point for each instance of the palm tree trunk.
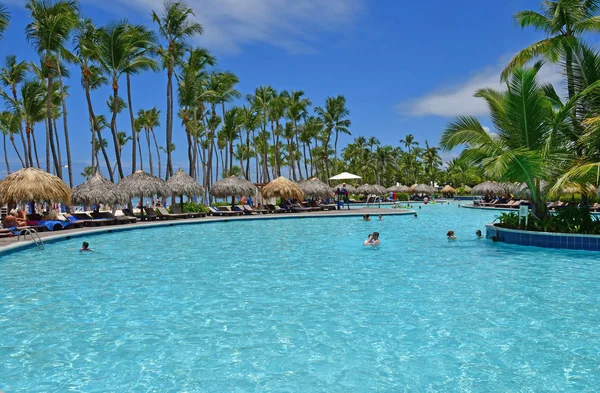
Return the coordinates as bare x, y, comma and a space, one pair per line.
113, 128
247, 154
6, 155
133, 132
57, 143
241, 151
291, 163
150, 163
37, 159
28, 162
265, 168
305, 160
335, 153
139, 145
65, 122
312, 164
111, 173
28, 132
50, 139
12, 141
93, 121
157, 151
169, 169
47, 146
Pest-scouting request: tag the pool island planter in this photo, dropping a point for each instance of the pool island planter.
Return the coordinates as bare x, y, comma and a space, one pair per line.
569, 241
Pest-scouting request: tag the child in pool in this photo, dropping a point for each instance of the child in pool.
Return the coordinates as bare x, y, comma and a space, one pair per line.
373, 240
85, 247
451, 236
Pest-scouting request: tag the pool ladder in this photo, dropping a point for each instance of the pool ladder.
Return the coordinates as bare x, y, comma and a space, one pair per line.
34, 236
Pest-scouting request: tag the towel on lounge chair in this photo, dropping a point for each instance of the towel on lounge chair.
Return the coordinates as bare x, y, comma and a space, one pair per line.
52, 224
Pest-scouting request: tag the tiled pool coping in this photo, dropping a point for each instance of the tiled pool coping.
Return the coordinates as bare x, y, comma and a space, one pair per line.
86, 232
544, 239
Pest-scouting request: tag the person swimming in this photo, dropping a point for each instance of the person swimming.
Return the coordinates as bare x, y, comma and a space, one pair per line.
478, 234
416, 216
380, 217
451, 236
366, 217
373, 240
85, 247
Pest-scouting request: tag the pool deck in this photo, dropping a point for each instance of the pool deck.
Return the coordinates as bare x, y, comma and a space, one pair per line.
10, 243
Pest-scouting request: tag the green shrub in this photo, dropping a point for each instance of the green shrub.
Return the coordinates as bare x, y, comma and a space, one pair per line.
402, 196
191, 207
567, 220
576, 198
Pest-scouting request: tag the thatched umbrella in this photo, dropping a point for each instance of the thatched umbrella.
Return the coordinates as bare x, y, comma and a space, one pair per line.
351, 189
447, 189
467, 188
142, 184
399, 188
282, 187
422, 189
366, 189
33, 184
380, 189
488, 188
183, 184
315, 188
575, 188
232, 186
97, 190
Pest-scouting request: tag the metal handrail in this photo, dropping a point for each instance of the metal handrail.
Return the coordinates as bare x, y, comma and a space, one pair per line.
34, 236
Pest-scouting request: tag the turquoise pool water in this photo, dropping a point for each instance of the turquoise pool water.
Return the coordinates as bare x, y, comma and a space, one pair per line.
300, 306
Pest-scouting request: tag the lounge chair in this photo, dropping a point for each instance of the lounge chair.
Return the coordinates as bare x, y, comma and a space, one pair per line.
117, 220
276, 209
252, 210
216, 212
229, 209
152, 213
89, 221
177, 210
299, 209
163, 212
310, 206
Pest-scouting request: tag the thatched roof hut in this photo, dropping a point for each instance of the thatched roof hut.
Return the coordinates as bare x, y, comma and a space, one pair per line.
282, 187
315, 188
97, 190
399, 188
488, 188
575, 188
33, 184
447, 189
351, 189
466, 188
380, 189
367, 189
232, 186
142, 184
421, 189
183, 184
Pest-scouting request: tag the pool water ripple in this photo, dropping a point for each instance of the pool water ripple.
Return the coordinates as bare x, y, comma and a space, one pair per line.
300, 306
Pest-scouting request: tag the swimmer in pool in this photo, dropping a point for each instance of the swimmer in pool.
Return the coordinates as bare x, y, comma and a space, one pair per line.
85, 247
373, 240
451, 236
478, 234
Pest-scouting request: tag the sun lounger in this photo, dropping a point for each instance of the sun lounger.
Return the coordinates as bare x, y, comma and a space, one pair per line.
117, 220
216, 212
151, 212
177, 210
163, 212
299, 209
275, 209
229, 209
89, 221
310, 206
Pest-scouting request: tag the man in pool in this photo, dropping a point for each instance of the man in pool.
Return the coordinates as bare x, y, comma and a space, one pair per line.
366, 217
85, 247
373, 240
451, 236
381, 217
478, 234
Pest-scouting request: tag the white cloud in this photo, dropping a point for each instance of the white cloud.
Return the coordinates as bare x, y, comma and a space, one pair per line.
458, 99
229, 24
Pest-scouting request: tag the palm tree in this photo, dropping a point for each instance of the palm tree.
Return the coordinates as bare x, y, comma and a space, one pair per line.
563, 22
142, 45
297, 106
232, 123
175, 27
116, 56
33, 96
409, 142
431, 160
4, 19
85, 41
384, 156
12, 75
334, 117
260, 101
52, 23
9, 125
527, 144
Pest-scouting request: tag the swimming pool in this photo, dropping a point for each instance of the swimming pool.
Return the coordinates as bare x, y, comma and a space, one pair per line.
300, 306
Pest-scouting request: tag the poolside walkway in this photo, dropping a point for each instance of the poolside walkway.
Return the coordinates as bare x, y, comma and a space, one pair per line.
10, 243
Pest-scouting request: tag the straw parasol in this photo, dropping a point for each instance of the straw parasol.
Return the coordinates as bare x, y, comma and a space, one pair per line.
282, 187
183, 184
315, 188
33, 184
447, 189
232, 186
399, 188
366, 189
488, 188
422, 189
142, 184
467, 188
351, 189
97, 190
380, 189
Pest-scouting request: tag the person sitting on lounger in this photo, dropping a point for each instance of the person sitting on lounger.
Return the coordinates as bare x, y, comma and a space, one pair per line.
85, 247
21, 217
10, 221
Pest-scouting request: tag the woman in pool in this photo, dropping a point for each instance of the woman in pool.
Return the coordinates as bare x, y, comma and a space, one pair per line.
366, 217
373, 240
478, 234
451, 236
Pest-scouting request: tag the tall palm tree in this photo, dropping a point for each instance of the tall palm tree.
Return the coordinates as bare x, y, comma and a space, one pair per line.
260, 101
527, 144
9, 125
49, 30
334, 116
563, 22
175, 27
11, 75
4, 19
431, 160
297, 108
33, 95
142, 46
409, 142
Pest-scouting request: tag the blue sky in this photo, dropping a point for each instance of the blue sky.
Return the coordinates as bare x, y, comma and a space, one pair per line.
404, 66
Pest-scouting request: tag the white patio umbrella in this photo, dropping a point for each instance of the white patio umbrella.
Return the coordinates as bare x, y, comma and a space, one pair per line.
345, 176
